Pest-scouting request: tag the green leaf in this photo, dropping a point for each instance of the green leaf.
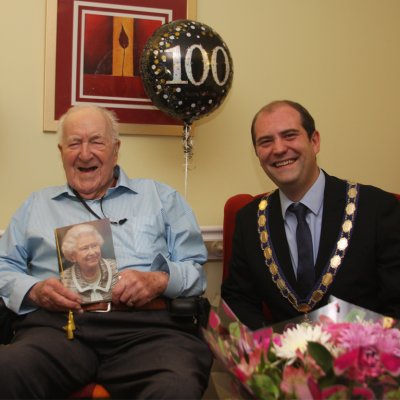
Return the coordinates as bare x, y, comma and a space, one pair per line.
393, 395
264, 387
321, 355
271, 354
355, 315
234, 329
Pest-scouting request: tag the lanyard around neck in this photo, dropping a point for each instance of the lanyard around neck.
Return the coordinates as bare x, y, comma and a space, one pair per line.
86, 205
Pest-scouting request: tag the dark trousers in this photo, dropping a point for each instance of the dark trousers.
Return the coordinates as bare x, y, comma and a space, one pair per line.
134, 355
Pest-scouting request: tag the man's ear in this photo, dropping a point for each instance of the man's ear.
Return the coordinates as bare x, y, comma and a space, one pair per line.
117, 145
316, 141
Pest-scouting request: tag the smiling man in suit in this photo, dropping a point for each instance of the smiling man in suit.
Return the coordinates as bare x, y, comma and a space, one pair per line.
315, 236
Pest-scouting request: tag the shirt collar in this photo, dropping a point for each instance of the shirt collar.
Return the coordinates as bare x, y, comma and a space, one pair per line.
313, 199
123, 183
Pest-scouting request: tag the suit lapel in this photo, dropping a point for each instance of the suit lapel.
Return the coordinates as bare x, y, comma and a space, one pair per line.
334, 203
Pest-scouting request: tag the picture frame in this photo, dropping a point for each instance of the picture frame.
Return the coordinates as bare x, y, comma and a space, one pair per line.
86, 258
76, 74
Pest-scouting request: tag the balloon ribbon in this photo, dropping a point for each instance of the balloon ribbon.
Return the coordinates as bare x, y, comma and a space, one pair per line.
187, 150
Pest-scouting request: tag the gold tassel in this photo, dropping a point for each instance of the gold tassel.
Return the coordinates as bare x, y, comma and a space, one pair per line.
70, 327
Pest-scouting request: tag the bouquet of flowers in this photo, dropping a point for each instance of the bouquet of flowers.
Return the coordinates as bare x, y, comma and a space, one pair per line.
339, 351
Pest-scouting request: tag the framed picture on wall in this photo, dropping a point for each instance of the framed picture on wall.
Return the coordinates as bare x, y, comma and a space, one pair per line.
93, 51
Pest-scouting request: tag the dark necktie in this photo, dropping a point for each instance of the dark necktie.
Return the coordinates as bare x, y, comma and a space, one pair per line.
305, 265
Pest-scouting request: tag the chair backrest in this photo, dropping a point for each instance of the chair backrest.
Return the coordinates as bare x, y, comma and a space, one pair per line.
232, 206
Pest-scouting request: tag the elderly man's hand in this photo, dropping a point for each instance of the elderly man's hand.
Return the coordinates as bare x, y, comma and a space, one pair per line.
52, 295
136, 288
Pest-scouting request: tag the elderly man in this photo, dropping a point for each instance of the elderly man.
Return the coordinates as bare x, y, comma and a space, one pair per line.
137, 349
315, 236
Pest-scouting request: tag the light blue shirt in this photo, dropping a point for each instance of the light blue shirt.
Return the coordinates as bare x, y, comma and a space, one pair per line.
161, 234
314, 200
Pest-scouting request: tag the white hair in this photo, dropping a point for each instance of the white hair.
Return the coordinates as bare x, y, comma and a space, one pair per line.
109, 116
72, 236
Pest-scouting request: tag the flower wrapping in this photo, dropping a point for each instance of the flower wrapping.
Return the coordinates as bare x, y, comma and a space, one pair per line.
340, 351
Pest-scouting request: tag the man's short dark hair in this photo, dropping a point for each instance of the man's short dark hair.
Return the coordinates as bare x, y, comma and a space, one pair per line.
307, 121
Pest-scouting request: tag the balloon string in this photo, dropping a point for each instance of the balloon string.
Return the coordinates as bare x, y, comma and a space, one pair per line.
187, 151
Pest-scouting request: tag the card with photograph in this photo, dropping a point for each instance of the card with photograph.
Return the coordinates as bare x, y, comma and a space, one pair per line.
87, 260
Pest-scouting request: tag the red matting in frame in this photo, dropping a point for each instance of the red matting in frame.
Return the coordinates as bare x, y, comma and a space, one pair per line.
84, 45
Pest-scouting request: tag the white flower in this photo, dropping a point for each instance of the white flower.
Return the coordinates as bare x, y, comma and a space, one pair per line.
296, 338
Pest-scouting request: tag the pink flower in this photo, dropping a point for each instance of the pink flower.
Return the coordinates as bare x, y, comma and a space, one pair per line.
391, 363
213, 320
341, 392
247, 366
369, 350
263, 338
363, 393
245, 340
263, 335
367, 335
388, 341
336, 330
358, 364
311, 365
242, 372
296, 382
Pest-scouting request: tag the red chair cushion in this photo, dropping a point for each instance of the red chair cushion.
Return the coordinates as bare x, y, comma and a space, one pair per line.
91, 391
232, 206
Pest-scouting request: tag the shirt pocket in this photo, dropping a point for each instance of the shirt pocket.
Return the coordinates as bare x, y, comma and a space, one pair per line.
145, 237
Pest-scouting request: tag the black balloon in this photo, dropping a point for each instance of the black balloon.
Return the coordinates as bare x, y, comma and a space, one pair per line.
186, 69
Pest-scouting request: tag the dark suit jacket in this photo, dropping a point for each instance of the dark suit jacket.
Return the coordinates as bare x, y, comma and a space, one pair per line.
369, 275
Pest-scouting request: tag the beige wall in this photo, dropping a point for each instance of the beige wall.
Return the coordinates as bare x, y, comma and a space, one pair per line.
340, 58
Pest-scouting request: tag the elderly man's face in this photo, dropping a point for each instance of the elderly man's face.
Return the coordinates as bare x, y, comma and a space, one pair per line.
87, 255
88, 153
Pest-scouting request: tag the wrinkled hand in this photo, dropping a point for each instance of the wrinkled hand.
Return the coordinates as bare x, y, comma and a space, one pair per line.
52, 295
136, 288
